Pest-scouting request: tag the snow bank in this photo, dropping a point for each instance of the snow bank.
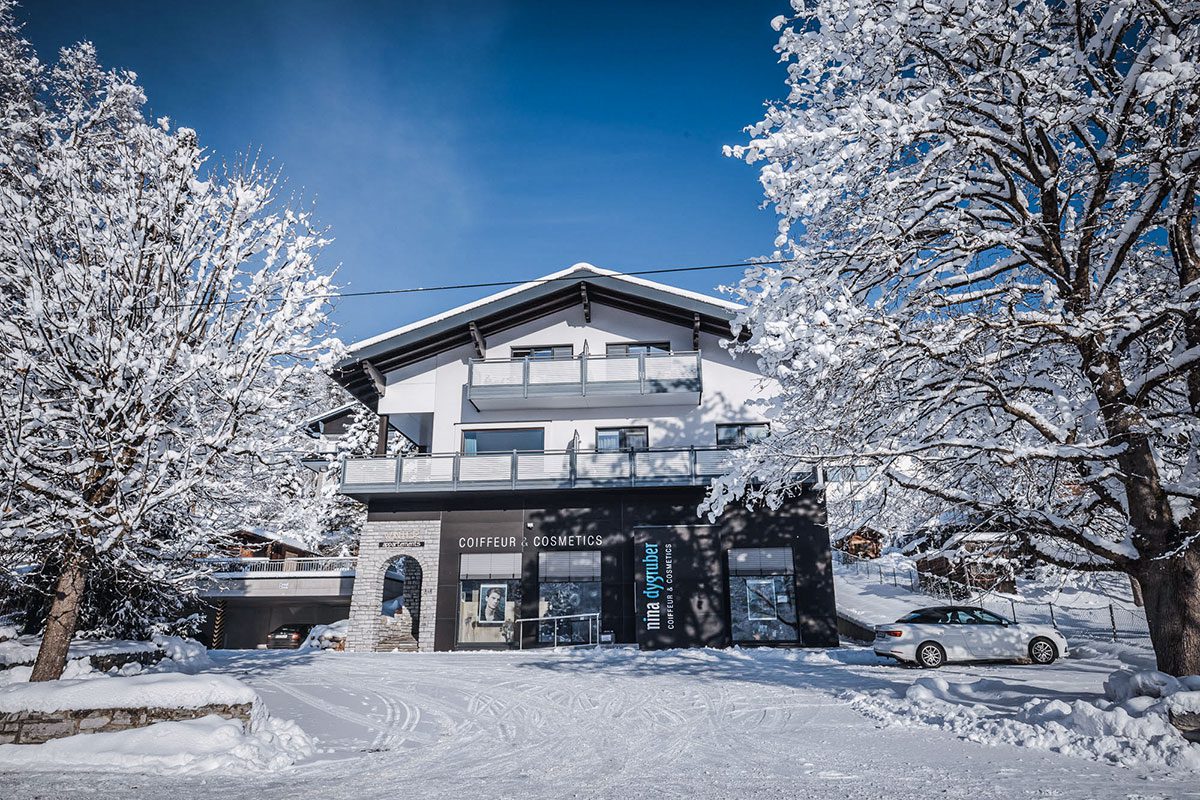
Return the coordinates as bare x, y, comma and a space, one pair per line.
1130, 728
326, 637
191, 747
24, 649
184, 655
168, 690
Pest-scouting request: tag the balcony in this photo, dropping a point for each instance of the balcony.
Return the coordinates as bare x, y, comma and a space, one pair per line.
549, 469
291, 567
585, 380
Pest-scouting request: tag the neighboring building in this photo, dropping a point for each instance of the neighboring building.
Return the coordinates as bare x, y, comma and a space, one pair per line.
265, 581
565, 433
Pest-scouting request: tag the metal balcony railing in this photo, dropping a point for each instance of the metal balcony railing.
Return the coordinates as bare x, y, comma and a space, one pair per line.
492, 381
541, 469
226, 567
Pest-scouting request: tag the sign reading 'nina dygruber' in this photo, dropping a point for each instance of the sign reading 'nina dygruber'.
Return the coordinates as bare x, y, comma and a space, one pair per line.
654, 577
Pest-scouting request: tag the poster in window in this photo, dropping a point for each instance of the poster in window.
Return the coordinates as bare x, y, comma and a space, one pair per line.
760, 599
492, 597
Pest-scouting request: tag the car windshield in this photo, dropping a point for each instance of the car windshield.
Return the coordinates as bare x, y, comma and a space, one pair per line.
927, 616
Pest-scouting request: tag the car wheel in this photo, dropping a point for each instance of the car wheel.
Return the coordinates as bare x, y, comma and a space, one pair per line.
1042, 651
930, 655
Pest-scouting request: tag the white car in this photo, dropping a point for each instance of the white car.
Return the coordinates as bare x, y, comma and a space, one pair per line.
931, 637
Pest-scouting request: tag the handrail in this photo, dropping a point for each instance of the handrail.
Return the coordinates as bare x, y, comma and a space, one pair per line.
244, 564
546, 469
528, 378
594, 615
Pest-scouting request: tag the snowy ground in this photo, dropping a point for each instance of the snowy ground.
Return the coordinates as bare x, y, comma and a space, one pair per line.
619, 724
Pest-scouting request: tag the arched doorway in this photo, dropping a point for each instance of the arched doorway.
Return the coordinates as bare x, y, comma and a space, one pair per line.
400, 609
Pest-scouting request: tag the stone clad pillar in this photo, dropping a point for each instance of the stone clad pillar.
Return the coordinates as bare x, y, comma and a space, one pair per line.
381, 542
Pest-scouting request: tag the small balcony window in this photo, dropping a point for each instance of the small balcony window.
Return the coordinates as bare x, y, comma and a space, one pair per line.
616, 439
503, 440
636, 348
544, 351
741, 433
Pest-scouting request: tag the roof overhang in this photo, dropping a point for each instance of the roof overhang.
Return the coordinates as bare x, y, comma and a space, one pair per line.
581, 285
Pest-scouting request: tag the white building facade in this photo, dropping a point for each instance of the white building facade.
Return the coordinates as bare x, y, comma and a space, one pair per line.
561, 436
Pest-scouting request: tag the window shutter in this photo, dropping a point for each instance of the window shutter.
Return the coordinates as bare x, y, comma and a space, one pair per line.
483, 566
761, 561
569, 565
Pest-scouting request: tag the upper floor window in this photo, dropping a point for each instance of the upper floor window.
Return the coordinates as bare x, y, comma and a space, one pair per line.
741, 433
544, 351
612, 439
503, 440
636, 348
859, 473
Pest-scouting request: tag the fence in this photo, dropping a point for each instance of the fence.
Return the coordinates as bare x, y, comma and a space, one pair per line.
1110, 622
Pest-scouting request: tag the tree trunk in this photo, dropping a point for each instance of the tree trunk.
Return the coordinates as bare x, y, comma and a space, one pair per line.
1171, 589
61, 621
1135, 587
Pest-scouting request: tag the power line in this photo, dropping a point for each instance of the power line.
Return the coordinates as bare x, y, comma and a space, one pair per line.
485, 285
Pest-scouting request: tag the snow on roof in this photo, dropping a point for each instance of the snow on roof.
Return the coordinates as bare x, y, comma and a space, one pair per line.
275, 536
332, 413
581, 267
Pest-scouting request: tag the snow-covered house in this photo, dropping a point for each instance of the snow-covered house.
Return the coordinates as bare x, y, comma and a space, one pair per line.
563, 434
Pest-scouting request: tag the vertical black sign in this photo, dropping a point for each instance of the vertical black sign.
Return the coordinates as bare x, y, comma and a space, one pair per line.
680, 597
654, 551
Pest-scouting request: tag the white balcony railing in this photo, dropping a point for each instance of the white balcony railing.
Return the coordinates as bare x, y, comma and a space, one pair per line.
222, 567
501, 381
543, 469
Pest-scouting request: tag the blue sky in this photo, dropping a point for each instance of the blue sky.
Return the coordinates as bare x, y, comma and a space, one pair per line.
454, 143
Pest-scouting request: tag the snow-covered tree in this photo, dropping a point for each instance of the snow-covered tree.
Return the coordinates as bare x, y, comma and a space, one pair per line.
156, 314
994, 292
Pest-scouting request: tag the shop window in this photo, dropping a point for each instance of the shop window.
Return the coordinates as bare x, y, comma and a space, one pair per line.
544, 351
568, 586
503, 440
489, 597
762, 595
610, 440
741, 433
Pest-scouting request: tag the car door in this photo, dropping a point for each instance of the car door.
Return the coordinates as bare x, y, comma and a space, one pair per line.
986, 635
943, 629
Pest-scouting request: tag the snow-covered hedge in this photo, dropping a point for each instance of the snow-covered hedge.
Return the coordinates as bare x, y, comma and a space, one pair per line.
327, 637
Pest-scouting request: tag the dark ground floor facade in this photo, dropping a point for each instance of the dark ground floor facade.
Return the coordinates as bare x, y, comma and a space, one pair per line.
520, 570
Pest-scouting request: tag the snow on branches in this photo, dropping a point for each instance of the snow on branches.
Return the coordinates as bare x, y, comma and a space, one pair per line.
991, 207
158, 316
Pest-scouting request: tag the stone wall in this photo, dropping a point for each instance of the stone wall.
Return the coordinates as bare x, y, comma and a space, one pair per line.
374, 555
35, 727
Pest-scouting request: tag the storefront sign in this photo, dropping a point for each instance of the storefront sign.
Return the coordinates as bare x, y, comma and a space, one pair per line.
402, 543
487, 543
678, 592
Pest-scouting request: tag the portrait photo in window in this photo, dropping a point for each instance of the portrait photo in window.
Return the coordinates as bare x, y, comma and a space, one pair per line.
760, 599
492, 599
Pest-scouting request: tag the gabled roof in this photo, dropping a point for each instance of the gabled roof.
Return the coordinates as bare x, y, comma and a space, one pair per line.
576, 285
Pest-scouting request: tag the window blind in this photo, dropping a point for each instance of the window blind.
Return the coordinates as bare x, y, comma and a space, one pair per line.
761, 561
569, 565
475, 566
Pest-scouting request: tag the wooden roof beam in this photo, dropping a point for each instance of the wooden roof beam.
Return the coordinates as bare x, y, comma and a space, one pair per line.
587, 304
375, 375
477, 337
695, 330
